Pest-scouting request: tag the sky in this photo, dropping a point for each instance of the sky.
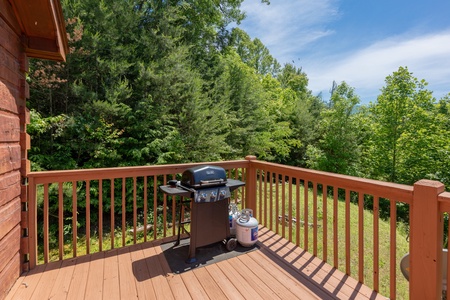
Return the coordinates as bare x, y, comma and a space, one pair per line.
360, 42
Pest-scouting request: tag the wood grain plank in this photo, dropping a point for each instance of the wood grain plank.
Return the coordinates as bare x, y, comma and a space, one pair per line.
175, 281
282, 275
306, 263
78, 284
157, 275
273, 283
126, 278
209, 284
94, 285
224, 283
196, 290
47, 280
230, 270
247, 277
331, 279
62, 281
111, 288
144, 285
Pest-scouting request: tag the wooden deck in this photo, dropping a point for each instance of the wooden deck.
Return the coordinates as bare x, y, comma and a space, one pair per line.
278, 270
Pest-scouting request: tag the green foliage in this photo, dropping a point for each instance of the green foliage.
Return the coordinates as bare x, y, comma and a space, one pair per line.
253, 53
338, 148
407, 133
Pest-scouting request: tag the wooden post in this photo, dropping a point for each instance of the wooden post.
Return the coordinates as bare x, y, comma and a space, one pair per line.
32, 224
426, 241
250, 185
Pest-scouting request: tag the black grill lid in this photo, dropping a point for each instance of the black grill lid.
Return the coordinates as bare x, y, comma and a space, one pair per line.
204, 176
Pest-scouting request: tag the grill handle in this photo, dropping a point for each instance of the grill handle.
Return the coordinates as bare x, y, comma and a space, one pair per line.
211, 182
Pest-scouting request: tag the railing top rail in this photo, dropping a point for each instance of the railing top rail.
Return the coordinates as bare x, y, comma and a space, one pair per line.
394, 191
444, 202
120, 172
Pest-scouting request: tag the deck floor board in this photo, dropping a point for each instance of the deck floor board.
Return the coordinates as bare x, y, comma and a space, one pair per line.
277, 270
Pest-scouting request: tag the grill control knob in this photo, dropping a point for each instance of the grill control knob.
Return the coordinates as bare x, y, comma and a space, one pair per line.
203, 196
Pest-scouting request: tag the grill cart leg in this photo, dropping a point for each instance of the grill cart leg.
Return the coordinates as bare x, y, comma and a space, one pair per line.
182, 204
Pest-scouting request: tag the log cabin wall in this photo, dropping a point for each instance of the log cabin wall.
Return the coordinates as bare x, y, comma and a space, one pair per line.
14, 143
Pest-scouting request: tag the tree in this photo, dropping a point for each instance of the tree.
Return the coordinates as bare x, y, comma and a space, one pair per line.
239, 89
406, 135
338, 149
253, 53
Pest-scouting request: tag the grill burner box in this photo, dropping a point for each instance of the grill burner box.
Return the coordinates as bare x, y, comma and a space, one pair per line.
209, 192
203, 176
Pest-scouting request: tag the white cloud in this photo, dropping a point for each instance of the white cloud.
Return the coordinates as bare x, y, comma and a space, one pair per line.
427, 57
302, 29
288, 26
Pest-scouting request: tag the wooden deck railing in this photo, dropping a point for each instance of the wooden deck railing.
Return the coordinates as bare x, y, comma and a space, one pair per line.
312, 206
71, 195
318, 211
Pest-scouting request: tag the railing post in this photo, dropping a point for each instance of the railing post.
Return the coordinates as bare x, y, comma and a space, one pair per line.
250, 185
426, 240
32, 224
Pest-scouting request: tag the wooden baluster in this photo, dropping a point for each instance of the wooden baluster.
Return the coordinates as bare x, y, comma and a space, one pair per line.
297, 212
145, 208
325, 221
88, 217
134, 210
305, 214
393, 250
124, 211
46, 247
376, 243
60, 221
100, 215
155, 207
283, 206
113, 235
74, 218
315, 219
347, 232
361, 237
335, 228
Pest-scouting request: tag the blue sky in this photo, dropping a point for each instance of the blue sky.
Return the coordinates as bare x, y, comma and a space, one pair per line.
356, 41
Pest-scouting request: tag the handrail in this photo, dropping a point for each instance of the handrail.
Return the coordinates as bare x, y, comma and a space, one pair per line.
106, 173
400, 192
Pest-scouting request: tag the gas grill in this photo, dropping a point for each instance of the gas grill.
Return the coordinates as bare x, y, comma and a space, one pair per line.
208, 192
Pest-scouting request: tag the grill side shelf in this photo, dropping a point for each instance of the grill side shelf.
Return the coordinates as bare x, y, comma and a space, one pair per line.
234, 184
178, 191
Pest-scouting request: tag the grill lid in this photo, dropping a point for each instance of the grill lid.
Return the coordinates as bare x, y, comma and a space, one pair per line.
204, 176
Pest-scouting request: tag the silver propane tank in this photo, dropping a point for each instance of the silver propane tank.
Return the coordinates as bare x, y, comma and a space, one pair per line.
233, 215
247, 228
